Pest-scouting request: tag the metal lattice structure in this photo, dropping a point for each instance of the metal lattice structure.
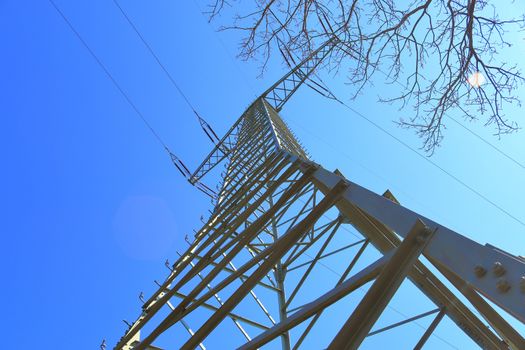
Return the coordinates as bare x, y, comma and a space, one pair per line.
256, 271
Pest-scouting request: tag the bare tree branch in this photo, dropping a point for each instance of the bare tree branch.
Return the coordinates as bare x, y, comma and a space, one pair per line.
444, 52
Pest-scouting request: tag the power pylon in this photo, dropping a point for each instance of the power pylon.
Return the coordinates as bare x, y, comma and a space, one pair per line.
257, 267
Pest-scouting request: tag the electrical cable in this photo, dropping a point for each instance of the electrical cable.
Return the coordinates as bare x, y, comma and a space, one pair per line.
110, 76
472, 132
160, 140
221, 43
177, 162
455, 178
430, 161
170, 77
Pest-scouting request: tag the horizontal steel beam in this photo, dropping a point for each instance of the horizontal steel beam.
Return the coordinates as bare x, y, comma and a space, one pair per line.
494, 273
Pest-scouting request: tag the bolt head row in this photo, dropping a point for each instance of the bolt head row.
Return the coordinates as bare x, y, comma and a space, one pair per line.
499, 270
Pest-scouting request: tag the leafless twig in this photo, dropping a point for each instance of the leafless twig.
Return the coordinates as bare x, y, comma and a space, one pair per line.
440, 50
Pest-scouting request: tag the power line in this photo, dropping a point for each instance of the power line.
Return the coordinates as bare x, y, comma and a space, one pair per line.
221, 42
470, 188
482, 139
212, 135
472, 132
430, 161
139, 113
506, 155
148, 46
458, 180
387, 182
110, 76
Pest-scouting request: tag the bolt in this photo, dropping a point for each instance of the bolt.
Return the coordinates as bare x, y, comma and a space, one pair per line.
498, 269
428, 231
423, 235
503, 285
522, 284
480, 271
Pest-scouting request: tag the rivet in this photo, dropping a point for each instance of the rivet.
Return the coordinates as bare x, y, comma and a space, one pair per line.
423, 235
503, 285
480, 271
427, 231
498, 269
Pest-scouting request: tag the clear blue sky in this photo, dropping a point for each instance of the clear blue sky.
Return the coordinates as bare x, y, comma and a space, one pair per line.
92, 205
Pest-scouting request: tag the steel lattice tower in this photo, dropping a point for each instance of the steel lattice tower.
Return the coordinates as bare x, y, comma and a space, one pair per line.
252, 269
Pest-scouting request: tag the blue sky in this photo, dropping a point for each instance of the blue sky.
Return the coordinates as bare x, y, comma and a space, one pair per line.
83, 178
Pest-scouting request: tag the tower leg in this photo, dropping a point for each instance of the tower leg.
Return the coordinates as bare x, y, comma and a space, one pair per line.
376, 299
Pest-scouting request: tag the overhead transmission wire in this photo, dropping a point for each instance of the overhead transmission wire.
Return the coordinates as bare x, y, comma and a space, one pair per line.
428, 160
223, 45
436, 165
157, 136
176, 161
434, 334
472, 132
110, 76
212, 135
148, 46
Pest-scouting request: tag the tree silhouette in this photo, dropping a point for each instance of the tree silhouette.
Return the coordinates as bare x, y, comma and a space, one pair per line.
444, 53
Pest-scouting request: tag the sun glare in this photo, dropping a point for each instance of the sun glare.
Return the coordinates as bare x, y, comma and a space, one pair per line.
476, 79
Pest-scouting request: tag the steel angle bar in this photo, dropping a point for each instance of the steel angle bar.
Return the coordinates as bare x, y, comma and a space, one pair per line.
324, 301
190, 332
314, 319
231, 270
187, 327
216, 296
428, 283
220, 151
231, 314
430, 329
243, 277
314, 261
382, 290
385, 240
248, 235
333, 226
496, 321
400, 323
339, 250
448, 250
153, 307
279, 93
239, 194
281, 246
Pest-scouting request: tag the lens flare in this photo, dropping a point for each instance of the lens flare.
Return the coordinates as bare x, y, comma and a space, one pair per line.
476, 79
